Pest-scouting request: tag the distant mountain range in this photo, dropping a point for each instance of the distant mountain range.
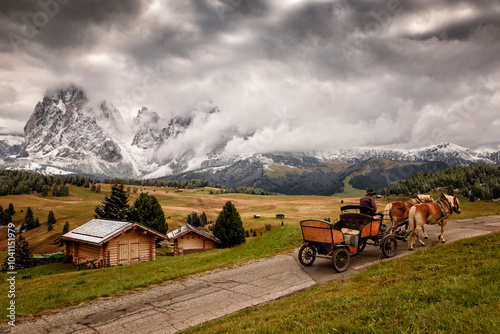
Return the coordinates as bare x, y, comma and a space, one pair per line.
65, 135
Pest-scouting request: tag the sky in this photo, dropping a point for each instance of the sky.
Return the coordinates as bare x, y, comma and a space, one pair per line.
287, 75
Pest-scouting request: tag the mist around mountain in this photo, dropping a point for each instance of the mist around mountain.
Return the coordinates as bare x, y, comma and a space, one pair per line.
66, 134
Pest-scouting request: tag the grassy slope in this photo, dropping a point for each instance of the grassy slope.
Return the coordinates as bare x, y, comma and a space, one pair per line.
57, 285
350, 191
449, 288
78, 208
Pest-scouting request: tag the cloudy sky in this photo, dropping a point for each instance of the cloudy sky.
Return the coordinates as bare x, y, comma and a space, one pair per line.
287, 75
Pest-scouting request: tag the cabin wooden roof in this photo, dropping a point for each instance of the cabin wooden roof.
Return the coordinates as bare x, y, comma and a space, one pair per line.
99, 231
190, 228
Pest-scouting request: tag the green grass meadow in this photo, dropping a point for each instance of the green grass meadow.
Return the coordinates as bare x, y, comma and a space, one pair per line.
388, 294
448, 288
60, 284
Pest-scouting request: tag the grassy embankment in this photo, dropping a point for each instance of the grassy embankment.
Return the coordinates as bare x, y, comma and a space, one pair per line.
57, 285
448, 288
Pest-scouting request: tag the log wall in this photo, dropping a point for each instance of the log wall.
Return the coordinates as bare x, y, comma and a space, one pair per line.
135, 245
192, 243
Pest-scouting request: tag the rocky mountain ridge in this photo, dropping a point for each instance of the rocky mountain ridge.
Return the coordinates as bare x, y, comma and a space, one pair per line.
64, 133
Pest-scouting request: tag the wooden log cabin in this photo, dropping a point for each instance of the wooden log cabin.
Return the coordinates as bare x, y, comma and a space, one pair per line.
104, 243
189, 239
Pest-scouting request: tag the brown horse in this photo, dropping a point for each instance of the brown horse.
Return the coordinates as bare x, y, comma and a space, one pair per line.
398, 211
437, 212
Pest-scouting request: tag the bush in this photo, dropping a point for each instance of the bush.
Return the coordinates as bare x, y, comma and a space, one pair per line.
22, 256
65, 228
51, 220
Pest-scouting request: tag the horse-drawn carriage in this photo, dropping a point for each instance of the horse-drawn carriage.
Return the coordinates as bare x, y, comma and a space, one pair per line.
346, 237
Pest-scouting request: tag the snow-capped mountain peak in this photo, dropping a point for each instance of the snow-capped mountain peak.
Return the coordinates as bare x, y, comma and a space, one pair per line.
66, 133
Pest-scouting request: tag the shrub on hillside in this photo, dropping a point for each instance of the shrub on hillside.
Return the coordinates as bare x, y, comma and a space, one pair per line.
229, 227
22, 256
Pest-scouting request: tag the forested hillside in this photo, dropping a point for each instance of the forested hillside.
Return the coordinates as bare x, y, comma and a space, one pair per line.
19, 182
480, 182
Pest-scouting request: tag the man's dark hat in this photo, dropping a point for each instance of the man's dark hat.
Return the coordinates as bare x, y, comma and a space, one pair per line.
370, 192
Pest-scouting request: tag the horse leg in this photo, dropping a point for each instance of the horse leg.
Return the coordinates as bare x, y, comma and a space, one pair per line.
424, 234
418, 237
441, 236
413, 235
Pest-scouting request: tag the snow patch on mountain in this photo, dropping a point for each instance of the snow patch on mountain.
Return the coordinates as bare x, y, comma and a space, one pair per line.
65, 133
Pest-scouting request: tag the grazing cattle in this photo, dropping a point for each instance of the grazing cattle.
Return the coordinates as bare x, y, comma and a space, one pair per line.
436, 212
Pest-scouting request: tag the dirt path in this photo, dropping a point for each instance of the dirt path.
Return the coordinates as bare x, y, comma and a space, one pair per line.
178, 306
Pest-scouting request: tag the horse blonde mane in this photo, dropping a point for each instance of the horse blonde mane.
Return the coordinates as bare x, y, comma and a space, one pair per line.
451, 199
427, 198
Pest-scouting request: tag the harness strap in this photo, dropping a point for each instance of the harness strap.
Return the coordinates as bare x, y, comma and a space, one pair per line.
443, 210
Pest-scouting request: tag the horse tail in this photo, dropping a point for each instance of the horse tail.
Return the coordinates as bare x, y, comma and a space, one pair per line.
411, 218
387, 211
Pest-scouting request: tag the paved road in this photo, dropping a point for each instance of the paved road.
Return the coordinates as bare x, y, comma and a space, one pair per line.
178, 306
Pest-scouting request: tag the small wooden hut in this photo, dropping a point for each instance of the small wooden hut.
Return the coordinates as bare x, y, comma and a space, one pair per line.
189, 239
103, 243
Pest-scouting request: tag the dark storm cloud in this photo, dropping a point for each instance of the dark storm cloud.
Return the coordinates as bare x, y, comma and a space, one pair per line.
462, 30
282, 72
63, 24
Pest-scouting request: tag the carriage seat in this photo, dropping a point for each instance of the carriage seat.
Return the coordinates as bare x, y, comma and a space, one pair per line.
352, 223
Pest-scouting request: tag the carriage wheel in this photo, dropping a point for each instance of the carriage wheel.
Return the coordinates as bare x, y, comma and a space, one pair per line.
389, 246
361, 247
307, 255
341, 259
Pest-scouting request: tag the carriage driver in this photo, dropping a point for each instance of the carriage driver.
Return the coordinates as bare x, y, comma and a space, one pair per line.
368, 201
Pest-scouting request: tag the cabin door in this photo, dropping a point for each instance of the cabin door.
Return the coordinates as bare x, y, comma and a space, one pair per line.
128, 251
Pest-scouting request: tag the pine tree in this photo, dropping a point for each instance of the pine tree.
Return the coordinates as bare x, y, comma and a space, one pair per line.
7, 216
22, 256
203, 219
195, 220
51, 220
229, 227
11, 209
29, 220
63, 190
450, 190
65, 228
114, 206
37, 222
147, 211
